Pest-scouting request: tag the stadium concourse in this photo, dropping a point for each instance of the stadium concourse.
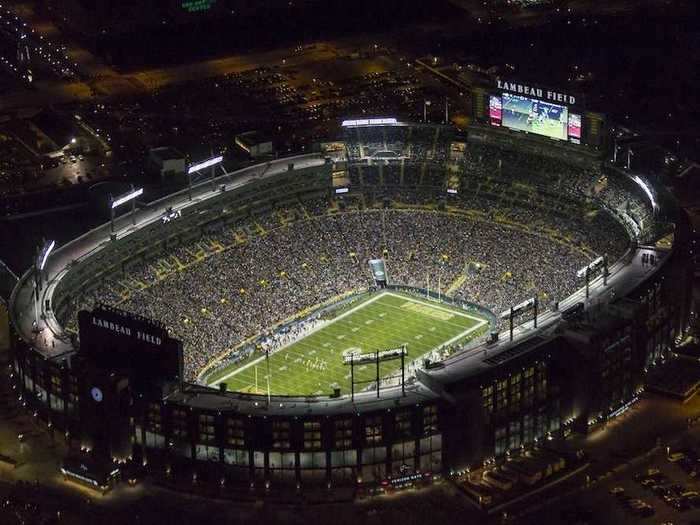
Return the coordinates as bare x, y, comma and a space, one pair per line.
517, 226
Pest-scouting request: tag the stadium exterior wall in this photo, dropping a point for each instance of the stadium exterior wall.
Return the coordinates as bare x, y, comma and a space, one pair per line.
548, 385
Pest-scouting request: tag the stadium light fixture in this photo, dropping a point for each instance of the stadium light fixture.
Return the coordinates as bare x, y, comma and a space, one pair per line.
126, 198
203, 165
45, 252
370, 122
591, 267
531, 304
39, 266
587, 271
131, 196
194, 168
645, 187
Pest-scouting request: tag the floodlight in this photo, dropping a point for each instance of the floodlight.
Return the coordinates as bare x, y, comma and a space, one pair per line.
126, 198
206, 164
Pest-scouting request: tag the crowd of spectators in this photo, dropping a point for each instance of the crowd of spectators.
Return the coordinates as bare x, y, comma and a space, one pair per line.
503, 237
241, 292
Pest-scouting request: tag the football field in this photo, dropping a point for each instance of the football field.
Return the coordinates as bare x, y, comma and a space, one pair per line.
314, 365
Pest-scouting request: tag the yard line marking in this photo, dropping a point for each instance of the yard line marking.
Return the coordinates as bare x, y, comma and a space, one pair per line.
305, 347
455, 311
313, 330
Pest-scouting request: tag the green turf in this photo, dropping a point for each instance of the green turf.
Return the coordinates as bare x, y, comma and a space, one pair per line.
314, 364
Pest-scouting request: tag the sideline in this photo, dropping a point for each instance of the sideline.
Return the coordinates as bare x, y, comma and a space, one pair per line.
313, 330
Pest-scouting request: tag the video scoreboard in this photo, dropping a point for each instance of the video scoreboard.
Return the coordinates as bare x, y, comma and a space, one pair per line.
537, 110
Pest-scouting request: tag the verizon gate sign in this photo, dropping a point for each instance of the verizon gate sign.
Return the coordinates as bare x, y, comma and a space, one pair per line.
531, 91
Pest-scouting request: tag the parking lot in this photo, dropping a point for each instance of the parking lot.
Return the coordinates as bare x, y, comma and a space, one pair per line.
662, 489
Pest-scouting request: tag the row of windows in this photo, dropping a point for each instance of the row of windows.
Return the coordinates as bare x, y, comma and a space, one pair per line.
515, 392
343, 429
523, 431
401, 453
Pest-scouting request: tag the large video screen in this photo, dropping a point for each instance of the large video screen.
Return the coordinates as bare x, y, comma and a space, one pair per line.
535, 116
575, 128
495, 110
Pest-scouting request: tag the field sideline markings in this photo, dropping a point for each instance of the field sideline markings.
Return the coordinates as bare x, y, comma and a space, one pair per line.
454, 311
321, 325
479, 324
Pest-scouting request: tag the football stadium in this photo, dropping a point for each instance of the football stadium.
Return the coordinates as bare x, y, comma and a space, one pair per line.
407, 302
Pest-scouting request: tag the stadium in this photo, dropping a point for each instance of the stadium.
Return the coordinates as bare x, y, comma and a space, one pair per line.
407, 301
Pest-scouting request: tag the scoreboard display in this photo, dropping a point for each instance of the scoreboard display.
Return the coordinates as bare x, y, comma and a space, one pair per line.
537, 110
535, 116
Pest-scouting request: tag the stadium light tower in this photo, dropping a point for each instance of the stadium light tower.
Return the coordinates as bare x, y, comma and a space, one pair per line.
195, 168
39, 265
528, 305
123, 199
601, 263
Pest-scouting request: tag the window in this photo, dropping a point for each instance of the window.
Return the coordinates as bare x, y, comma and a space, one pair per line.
56, 385
207, 453
487, 399
541, 425
343, 433
312, 460
154, 440
529, 387
431, 444
542, 381
501, 436
502, 395
179, 417
344, 458
312, 435
400, 451
239, 458
56, 403
153, 418
515, 393
430, 420
280, 435
207, 428
373, 430
528, 429
514, 435
402, 423
72, 394
235, 432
